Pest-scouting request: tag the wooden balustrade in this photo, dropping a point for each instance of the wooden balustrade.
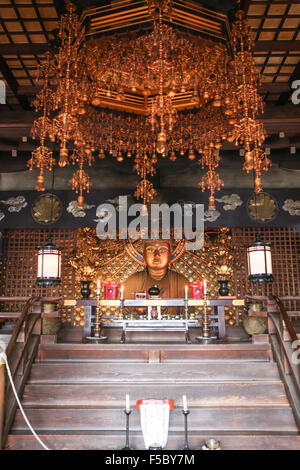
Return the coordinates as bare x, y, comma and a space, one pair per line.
21, 351
286, 349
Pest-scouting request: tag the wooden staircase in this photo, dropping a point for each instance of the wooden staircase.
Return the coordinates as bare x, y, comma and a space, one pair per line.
75, 396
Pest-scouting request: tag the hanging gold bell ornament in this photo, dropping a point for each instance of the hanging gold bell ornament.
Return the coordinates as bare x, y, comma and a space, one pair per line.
80, 182
63, 157
213, 182
145, 191
161, 142
258, 161
41, 158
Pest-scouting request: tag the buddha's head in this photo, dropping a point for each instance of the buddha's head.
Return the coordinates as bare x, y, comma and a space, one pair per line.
157, 256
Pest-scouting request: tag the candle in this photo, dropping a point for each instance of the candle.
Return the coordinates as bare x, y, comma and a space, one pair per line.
186, 292
184, 403
205, 287
98, 286
127, 403
122, 292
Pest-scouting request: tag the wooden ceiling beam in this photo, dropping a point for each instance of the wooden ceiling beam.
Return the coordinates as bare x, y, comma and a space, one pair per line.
277, 87
26, 49
276, 46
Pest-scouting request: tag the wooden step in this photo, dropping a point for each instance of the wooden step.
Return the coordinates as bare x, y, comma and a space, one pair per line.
175, 441
165, 353
211, 420
80, 372
113, 396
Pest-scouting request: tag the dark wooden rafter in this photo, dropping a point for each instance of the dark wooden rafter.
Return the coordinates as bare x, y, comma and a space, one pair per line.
26, 49
276, 46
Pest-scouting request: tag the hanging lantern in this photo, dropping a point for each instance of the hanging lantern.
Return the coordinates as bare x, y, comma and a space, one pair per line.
49, 265
259, 257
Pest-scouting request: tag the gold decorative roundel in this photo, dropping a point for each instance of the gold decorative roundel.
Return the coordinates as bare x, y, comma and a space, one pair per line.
262, 207
46, 209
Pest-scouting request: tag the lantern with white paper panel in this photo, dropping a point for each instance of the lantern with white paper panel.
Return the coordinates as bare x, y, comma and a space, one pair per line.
259, 257
49, 265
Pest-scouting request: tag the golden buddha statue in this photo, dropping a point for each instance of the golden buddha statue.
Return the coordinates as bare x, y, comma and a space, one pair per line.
157, 257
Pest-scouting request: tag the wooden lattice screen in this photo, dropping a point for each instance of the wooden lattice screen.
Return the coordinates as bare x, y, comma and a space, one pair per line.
285, 259
19, 265
19, 261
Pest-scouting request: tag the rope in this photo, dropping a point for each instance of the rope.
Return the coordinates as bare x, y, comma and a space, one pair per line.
3, 357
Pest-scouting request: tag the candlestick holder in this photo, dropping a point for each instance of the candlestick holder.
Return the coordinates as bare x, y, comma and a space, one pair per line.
205, 324
205, 319
186, 444
127, 413
97, 325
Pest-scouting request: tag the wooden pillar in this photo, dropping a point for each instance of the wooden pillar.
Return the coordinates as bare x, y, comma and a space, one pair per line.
87, 321
221, 322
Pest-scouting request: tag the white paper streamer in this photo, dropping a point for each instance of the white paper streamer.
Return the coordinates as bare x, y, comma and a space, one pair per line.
155, 422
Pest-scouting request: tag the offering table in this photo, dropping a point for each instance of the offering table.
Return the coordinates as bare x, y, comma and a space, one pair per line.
134, 324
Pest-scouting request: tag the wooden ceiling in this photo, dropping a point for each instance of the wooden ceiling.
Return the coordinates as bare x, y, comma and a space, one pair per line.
27, 28
276, 24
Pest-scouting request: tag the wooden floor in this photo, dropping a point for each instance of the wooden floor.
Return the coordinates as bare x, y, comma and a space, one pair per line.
75, 396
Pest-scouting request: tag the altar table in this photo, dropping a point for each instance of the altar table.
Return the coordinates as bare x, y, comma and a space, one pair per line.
183, 324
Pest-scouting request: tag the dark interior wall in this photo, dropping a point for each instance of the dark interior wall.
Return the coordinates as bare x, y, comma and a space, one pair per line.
287, 202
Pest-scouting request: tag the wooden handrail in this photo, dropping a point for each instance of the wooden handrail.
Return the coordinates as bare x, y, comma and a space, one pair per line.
284, 350
25, 299
21, 363
19, 324
285, 318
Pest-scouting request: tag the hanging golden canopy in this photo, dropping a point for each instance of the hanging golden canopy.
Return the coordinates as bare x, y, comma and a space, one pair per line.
160, 66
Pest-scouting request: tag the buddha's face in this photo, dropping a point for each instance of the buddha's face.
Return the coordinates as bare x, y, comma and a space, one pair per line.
157, 256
